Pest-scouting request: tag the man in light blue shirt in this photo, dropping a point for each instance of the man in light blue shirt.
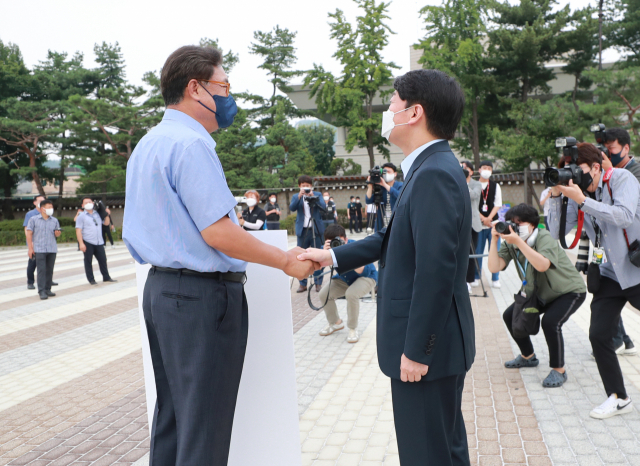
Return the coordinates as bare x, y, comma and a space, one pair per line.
31, 265
179, 217
90, 240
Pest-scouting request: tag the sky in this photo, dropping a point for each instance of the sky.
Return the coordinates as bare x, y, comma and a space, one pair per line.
148, 31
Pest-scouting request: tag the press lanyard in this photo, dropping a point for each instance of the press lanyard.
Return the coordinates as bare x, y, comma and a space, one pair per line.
522, 271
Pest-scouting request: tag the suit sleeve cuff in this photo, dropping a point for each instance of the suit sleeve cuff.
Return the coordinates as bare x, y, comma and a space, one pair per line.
333, 256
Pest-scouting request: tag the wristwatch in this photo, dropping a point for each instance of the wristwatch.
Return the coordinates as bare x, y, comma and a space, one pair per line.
580, 206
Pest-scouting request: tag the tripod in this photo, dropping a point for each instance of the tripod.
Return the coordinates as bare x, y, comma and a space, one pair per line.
313, 226
475, 256
376, 206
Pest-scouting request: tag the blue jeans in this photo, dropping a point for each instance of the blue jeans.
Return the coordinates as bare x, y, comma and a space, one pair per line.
306, 241
485, 237
273, 225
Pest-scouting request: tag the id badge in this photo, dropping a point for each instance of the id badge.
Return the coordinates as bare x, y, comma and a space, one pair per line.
485, 208
598, 256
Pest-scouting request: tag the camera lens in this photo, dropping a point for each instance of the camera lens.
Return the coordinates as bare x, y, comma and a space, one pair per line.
501, 227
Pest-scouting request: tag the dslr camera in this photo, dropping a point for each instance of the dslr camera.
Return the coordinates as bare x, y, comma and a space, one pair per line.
375, 175
310, 198
99, 207
600, 133
571, 171
503, 227
336, 242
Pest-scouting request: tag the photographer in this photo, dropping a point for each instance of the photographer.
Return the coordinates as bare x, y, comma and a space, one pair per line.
309, 206
490, 203
253, 217
328, 216
475, 191
272, 210
89, 234
390, 193
351, 285
560, 292
612, 222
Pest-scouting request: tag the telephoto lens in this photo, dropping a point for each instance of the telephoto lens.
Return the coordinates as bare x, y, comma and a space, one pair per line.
582, 263
503, 227
336, 242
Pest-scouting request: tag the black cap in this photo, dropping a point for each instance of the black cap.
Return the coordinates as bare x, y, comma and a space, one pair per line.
486, 163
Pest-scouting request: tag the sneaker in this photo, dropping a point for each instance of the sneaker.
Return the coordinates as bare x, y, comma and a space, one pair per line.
496, 284
328, 330
630, 349
612, 407
475, 283
519, 361
620, 349
113, 246
469, 288
353, 336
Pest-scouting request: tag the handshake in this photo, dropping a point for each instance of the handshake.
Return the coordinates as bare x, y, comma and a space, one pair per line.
301, 263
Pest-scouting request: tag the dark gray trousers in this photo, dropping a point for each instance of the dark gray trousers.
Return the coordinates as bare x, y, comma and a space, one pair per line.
44, 264
197, 331
31, 268
429, 424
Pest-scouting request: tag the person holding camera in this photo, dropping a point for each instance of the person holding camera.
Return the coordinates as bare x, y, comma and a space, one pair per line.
42, 231
610, 202
272, 211
547, 273
329, 216
475, 191
89, 234
351, 285
309, 206
390, 193
253, 217
490, 203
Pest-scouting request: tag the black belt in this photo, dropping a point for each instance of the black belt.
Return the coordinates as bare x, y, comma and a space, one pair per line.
237, 277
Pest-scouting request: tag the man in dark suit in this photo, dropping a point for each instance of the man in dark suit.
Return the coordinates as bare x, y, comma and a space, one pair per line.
306, 229
425, 329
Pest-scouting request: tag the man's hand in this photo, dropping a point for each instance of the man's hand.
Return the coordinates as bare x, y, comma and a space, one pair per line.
83, 247
327, 245
494, 234
486, 221
302, 192
384, 184
57, 233
573, 192
30, 253
298, 268
320, 256
606, 162
411, 371
511, 237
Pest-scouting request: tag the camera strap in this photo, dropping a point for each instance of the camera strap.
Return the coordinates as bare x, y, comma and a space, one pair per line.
606, 179
563, 225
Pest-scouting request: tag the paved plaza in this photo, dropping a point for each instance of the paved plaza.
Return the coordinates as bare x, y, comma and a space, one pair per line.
71, 381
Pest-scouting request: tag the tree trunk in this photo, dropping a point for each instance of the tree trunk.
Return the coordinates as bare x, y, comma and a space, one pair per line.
60, 187
575, 92
475, 144
527, 187
7, 207
372, 160
104, 193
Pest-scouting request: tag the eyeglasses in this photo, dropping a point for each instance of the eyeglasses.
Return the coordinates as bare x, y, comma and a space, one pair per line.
227, 86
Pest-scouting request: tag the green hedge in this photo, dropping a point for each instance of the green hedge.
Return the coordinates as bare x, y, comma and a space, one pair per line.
289, 224
12, 232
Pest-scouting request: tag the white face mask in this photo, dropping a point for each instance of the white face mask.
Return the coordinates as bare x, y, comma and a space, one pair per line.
388, 124
389, 177
273, 200
486, 174
326, 198
523, 231
251, 202
49, 212
88, 206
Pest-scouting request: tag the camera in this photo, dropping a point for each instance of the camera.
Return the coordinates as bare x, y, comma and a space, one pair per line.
600, 133
99, 207
375, 175
336, 242
571, 170
503, 227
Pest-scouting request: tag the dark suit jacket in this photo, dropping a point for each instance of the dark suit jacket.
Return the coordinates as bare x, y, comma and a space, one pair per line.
424, 309
297, 205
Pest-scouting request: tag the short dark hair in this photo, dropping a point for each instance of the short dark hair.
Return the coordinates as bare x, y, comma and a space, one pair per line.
36, 197
352, 197
523, 213
273, 194
391, 166
86, 197
618, 134
183, 65
589, 154
357, 197
486, 163
468, 164
333, 231
305, 179
46, 202
439, 95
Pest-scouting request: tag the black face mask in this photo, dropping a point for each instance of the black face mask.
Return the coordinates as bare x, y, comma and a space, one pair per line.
585, 181
466, 172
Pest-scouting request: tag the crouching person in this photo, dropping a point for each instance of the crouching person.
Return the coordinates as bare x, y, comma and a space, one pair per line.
351, 285
545, 272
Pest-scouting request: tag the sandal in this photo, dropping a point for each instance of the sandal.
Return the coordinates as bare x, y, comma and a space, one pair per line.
522, 362
554, 379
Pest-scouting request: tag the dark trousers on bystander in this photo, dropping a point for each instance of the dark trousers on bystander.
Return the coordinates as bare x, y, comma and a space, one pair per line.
306, 241
101, 256
44, 263
31, 268
606, 307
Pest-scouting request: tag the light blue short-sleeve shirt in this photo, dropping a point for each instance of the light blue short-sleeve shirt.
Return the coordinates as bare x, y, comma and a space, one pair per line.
175, 189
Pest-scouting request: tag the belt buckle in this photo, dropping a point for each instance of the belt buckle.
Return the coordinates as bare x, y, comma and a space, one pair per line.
244, 278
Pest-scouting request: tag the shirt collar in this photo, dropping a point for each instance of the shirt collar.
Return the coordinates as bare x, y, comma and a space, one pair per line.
190, 122
409, 159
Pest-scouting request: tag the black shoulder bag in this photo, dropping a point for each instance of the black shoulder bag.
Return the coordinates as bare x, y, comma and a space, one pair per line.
525, 320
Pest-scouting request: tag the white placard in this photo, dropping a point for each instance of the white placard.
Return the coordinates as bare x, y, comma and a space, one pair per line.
265, 427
